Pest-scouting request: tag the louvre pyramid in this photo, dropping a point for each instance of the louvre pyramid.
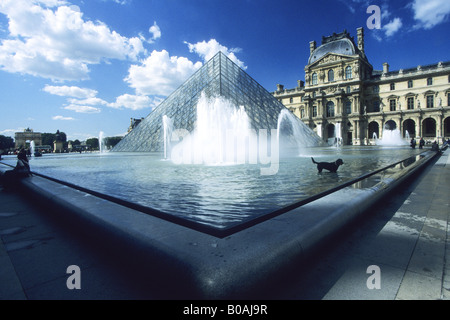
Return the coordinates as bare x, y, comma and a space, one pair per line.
218, 77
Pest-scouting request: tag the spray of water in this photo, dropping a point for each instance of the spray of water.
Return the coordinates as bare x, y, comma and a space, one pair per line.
293, 134
391, 138
223, 136
32, 148
101, 144
168, 128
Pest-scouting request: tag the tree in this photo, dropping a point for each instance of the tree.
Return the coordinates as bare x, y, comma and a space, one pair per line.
6, 143
92, 143
48, 139
110, 142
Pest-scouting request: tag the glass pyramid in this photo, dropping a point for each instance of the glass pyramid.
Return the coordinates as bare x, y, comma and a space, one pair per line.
218, 77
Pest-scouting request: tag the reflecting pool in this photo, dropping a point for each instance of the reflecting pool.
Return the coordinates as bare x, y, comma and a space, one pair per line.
214, 195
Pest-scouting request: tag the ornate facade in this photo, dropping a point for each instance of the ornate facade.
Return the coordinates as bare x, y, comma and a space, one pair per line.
344, 98
23, 139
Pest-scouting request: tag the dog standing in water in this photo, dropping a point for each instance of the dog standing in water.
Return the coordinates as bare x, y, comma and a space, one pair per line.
330, 166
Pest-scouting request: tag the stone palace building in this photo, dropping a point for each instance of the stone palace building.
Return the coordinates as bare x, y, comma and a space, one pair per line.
343, 96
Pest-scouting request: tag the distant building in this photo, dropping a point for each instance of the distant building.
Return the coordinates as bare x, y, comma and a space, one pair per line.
343, 95
134, 123
58, 144
23, 139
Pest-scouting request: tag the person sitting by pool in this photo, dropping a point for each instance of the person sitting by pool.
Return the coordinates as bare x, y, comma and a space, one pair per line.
434, 146
21, 170
446, 144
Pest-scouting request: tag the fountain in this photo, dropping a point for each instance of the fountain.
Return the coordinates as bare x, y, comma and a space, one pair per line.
222, 135
168, 128
32, 147
293, 134
407, 136
101, 144
338, 135
391, 138
215, 129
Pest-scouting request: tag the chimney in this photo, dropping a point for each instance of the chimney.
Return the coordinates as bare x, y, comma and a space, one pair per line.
280, 87
360, 32
385, 67
312, 47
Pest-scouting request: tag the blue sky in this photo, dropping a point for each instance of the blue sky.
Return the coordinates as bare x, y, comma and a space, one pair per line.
87, 66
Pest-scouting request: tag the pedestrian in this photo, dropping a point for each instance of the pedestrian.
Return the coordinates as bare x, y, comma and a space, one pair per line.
22, 169
413, 143
421, 143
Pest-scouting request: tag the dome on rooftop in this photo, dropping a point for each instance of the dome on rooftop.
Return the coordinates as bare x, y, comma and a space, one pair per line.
342, 46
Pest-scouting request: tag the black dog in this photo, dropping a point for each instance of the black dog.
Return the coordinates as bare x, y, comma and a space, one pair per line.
330, 166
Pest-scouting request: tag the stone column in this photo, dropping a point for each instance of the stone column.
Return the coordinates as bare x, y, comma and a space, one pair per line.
356, 131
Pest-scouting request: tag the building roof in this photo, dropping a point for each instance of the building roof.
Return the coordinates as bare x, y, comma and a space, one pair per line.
419, 70
340, 43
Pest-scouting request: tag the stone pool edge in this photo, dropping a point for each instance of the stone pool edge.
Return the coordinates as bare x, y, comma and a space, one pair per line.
200, 266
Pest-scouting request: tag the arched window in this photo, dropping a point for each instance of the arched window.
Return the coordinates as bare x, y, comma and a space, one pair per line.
348, 72
314, 78
330, 109
330, 75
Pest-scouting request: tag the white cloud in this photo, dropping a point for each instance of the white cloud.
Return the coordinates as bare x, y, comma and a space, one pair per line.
429, 13
134, 102
63, 118
9, 132
81, 100
121, 2
84, 100
392, 27
160, 74
155, 31
207, 50
389, 26
93, 101
351, 4
82, 108
52, 40
66, 91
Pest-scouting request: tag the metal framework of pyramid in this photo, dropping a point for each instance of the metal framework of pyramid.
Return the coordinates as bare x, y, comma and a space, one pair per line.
218, 77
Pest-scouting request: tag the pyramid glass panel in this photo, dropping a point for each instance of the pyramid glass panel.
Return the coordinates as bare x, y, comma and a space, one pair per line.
218, 77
